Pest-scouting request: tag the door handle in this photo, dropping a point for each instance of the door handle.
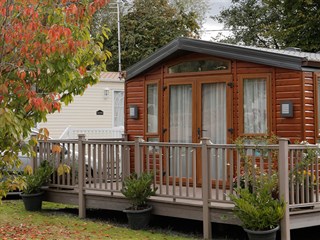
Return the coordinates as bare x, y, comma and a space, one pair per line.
199, 132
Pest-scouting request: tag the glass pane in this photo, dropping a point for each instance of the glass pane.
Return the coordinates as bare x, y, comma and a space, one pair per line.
181, 113
255, 105
180, 129
200, 66
214, 115
214, 123
152, 110
118, 105
318, 85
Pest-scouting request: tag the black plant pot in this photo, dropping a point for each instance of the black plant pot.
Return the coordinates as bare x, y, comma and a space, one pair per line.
262, 235
138, 219
32, 202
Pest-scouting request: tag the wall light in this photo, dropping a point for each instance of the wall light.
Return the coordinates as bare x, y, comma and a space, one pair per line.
106, 92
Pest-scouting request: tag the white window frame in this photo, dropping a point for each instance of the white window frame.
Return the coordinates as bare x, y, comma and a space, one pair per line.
113, 106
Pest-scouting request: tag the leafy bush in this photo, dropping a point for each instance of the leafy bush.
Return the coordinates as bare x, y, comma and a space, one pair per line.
138, 189
34, 181
258, 210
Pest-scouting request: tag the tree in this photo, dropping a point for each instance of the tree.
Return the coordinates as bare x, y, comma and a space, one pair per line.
46, 57
199, 7
273, 23
145, 29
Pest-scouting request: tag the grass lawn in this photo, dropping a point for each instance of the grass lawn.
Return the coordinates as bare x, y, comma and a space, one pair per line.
52, 223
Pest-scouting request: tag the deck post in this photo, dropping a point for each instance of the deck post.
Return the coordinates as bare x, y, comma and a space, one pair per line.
125, 157
81, 177
284, 186
137, 155
205, 189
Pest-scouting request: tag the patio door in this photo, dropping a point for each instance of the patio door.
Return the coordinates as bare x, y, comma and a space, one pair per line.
196, 108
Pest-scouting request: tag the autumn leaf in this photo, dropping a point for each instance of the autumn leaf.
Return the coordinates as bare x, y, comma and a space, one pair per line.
56, 148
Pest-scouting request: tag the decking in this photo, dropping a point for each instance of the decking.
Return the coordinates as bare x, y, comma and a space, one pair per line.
194, 180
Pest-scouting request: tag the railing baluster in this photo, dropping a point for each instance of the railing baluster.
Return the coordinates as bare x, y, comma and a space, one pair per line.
224, 169
73, 164
111, 165
94, 163
160, 169
317, 179
89, 165
291, 197
231, 169
105, 165
194, 171
180, 154
187, 171
174, 162
100, 165
216, 157
167, 169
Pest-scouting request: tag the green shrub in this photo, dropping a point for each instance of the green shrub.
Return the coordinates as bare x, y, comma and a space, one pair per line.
138, 189
258, 210
34, 181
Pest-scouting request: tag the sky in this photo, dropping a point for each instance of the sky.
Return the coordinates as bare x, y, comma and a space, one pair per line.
211, 27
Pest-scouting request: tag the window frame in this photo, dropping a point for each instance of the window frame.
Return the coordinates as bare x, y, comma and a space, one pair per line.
197, 58
113, 106
241, 78
152, 134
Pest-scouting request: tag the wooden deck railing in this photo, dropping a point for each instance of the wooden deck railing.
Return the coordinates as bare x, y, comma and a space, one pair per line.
203, 172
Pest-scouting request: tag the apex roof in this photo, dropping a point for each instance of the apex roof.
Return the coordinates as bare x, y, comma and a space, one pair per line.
295, 60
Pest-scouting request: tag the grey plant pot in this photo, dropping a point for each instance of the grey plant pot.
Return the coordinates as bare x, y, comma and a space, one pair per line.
262, 235
138, 219
32, 202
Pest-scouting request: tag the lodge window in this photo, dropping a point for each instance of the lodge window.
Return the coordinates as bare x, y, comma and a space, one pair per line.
200, 65
152, 108
254, 102
118, 108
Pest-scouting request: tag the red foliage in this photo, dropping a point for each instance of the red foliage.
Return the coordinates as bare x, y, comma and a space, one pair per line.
30, 37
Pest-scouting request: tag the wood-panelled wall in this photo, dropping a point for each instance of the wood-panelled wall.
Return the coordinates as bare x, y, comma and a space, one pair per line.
309, 107
134, 94
285, 85
288, 86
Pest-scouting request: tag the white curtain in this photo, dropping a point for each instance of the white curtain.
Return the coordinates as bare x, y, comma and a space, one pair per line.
214, 116
181, 113
118, 105
214, 123
255, 105
180, 128
152, 108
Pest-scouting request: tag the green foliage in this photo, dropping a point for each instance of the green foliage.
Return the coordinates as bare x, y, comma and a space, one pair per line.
146, 29
34, 181
273, 23
301, 173
47, 57
258, 210
138, 189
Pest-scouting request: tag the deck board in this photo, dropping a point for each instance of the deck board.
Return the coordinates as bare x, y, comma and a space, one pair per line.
108, 196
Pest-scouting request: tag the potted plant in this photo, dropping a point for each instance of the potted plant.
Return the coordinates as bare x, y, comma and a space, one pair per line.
32, 193
138, 189
259, 212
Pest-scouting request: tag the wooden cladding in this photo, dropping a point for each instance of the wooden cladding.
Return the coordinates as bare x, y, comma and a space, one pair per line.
282, 85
